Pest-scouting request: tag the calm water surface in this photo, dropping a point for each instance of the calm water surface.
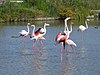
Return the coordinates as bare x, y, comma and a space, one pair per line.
18, 58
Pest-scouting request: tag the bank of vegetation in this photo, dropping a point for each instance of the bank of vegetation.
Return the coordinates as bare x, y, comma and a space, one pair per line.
29, 9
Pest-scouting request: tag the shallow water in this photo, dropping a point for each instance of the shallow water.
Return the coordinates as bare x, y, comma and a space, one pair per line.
18, 58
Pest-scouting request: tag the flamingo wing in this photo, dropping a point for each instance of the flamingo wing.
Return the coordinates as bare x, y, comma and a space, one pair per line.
37, 32
42, 31
58, 35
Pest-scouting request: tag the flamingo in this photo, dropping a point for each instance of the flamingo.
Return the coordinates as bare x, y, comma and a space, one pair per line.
24, 33
38, 34
83, 28
61, 37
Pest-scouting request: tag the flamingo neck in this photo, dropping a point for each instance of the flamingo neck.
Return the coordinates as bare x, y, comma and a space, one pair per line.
28, 28
70, 28
33, 30
45, 28
86, 24
66, 26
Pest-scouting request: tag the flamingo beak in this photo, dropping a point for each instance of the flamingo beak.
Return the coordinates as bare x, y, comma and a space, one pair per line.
29, 24
48, 24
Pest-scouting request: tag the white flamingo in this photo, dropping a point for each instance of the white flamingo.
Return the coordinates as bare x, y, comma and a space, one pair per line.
83, 28
24, 33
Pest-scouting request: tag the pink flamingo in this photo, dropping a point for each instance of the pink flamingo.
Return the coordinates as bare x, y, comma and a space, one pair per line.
63, 38
38, 34
60, 38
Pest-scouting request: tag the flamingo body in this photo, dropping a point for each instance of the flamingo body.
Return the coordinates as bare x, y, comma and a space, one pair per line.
82, 28
57, 36
70, 42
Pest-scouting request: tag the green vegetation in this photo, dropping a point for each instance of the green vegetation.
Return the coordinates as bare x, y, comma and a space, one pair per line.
77, 9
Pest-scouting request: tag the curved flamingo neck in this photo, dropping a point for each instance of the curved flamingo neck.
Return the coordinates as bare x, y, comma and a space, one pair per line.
28, 28
45, 28
33, 29
66, 26
70, 28
86, 24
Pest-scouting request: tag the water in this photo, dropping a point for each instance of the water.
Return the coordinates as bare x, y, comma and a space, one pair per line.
17, 58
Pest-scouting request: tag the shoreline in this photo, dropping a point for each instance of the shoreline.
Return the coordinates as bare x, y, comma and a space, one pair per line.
32, 19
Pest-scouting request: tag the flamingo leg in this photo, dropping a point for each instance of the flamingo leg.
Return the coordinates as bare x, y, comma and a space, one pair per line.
61, 53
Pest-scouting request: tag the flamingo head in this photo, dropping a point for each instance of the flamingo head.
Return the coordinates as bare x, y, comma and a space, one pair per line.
46, 24
33, 25
72, 23
28, 23
87, 19
68, 18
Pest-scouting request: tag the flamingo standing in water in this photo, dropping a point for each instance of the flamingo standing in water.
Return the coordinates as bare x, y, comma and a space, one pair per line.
60, 38
63, 38
83, 28
24, 33
39, 33
66, 33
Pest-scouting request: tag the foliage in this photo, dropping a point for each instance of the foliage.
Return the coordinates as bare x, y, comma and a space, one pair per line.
44, 8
